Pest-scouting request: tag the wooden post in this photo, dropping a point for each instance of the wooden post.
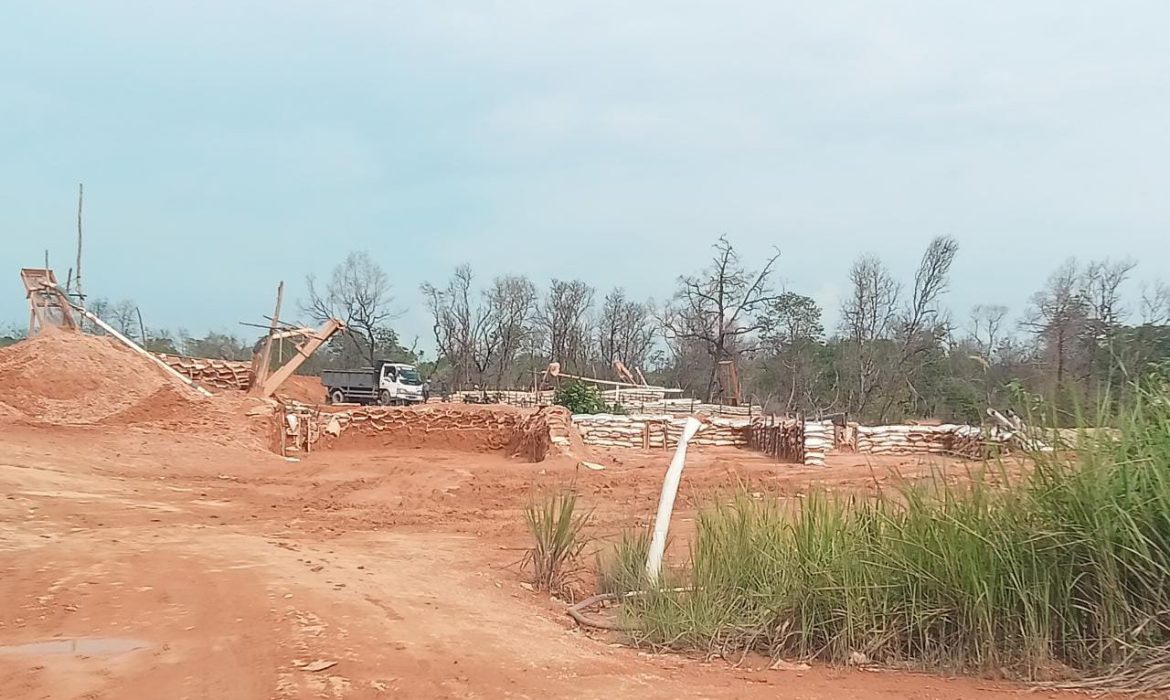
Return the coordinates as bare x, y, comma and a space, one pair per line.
263, 359
80, 196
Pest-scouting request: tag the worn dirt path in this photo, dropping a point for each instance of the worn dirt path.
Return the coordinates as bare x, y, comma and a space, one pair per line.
152, 565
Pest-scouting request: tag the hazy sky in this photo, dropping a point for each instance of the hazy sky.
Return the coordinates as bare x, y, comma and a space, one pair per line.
228, 145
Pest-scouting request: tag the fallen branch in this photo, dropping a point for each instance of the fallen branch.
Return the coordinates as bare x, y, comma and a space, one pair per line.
576, 611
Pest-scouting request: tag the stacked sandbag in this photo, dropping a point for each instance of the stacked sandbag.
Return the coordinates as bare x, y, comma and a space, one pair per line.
818, 440
524, 399
719, 432
963, 440
685, 407
634, 432
520, 432
641, 395
657, 431
219, 374
559, 422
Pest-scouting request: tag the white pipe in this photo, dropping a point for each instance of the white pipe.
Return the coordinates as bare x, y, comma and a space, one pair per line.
666, 501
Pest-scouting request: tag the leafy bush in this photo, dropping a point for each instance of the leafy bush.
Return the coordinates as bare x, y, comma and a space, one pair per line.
1066, 569
580, 397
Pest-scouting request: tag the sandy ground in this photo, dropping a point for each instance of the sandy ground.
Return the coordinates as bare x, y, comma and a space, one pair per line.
140, 564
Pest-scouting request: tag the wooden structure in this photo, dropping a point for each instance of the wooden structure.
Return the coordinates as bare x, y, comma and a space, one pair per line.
313, 341
729, 383
783, 440
48, 305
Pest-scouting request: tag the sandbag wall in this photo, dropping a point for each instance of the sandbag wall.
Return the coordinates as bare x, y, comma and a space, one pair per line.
528, 434
963, 440
819, 439
219, 374
656, 432
523, 399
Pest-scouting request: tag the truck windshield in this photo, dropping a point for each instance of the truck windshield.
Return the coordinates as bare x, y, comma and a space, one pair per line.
409, 376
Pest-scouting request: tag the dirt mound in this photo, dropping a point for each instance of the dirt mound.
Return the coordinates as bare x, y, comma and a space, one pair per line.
308, 390
74, 379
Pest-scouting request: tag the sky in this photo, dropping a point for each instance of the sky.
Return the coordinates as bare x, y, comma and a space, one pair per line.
226, 146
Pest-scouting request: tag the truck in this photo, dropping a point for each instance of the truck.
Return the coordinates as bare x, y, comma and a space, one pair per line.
386, 383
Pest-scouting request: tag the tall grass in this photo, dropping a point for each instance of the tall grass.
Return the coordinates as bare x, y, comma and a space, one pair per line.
1065, 571
555, 526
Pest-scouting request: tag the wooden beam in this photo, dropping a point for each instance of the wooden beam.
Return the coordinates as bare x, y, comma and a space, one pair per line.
613, 383
262, 360
303, 352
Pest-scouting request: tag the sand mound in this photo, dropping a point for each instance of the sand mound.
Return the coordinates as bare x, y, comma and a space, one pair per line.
304, 389
74, 379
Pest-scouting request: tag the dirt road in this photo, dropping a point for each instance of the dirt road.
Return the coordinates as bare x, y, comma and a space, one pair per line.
138, 564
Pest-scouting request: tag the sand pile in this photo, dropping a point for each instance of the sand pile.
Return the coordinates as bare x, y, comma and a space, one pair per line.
74, 379
303, 389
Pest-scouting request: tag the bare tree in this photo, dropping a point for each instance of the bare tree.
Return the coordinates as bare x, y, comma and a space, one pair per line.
454, 326
1155, 304
565, 318
1059, 317
868, 318
987, 328
511, 303
481, 339
923, 326
625, 329
930, 283
717, 308
358, 294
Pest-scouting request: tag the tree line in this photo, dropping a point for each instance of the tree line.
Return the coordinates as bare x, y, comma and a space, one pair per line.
896, 352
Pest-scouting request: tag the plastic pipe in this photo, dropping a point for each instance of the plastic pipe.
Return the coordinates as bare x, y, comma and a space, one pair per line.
666, 500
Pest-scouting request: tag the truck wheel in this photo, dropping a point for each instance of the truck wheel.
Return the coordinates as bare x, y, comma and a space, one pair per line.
337, 396
384, 398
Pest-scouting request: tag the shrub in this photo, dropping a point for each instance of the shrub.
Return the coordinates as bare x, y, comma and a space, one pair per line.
556, 528
580, 397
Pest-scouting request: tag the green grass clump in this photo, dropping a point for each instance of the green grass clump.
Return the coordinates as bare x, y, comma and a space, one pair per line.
555, 526
623, 569
1066, 571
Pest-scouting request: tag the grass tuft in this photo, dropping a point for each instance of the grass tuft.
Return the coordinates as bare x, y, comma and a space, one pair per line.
556, 528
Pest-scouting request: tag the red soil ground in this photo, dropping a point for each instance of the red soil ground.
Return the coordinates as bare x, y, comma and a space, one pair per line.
149, 554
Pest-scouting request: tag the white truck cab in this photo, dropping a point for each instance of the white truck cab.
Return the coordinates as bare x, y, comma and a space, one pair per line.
400, 383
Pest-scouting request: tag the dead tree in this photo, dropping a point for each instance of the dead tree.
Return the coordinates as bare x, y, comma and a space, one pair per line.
357, 294
564, 316
481, 339
625, 329
987, 328
511, 303
868, 317
1058, 319
717, 308
923, 326
453, 326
